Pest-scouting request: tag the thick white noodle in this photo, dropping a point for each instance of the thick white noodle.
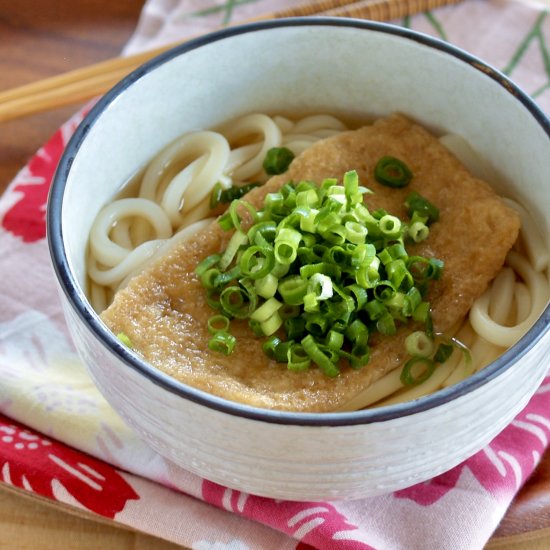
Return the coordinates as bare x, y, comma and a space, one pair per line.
431, 385
247, 129
497, 333
464, 152
315, 123
502, 295
537, 250
166, 246
522, 301
311, 129
204, 155
111, 253
284, 124
121, 234
172, 204
174, 188
298, 146
113, 275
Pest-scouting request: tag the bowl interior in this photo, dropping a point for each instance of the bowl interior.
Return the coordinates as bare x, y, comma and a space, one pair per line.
343, 67
338, 68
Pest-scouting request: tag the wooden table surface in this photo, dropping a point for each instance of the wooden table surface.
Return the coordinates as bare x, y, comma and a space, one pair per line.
47, 37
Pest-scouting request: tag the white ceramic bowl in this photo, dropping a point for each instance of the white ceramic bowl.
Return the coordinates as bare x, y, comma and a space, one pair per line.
332, 65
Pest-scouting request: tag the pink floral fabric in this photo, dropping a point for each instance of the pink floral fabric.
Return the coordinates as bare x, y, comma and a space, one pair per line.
61, 440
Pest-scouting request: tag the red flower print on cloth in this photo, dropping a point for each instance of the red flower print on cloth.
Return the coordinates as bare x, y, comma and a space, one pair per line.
40, 465
504, 465
312, 523
26, 218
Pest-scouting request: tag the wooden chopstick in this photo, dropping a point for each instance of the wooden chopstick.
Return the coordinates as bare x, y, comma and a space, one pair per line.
88, 82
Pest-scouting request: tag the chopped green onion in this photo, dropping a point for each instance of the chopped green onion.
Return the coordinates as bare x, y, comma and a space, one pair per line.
263, 232
444, 351
220, 195
316, 324
390, 226
266, 287
288, 311
321, 286
359, 294
417, 205
419, 344
368, 275
392, 172
207, 263
315, 273
399, 276
222, 342
237, 240
236, 218
357, 330
421, 312
384, 291
226, 277
417, 370
208, 278
298, 359
295, 327
272, 324
386, 324
213, 298
237, 302
125, 339
355, 232
216, 195
330, 270
316, 354
281, 352
423, 269
286, 245
225, 221
375, 309
334, 340
277, 160
311, 302
411, 301
256, 327
218, 323
266, 310
270, 345
436, 268
257, 261
418, 231
293, 289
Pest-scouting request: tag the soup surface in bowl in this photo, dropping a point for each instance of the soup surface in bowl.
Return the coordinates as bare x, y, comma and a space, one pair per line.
342, 66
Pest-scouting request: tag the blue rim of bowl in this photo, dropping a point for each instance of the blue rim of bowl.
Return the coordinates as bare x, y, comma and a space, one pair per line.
78, 301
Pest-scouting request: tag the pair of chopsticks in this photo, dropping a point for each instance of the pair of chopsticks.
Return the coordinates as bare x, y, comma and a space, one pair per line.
82, 84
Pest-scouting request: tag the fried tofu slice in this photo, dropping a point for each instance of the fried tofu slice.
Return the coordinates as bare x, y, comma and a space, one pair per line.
164, 310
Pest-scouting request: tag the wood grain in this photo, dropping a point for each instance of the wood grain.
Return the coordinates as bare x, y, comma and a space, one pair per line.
27, 523
47, 37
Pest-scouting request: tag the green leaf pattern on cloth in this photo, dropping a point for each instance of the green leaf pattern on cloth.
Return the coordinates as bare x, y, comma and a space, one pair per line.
226, 8
523, 53
44, 385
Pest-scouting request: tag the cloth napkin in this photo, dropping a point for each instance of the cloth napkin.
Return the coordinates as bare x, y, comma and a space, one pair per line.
60, 439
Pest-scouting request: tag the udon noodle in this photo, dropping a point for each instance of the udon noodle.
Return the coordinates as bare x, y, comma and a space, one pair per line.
169, 200
172, 193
